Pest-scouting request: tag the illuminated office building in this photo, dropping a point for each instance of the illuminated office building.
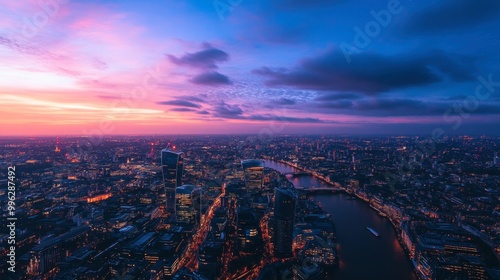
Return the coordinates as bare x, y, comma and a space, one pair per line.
320, 252
46, 256
284, 216
460, 267
188, 204
253, 172
248, 231
172, 166
210, 259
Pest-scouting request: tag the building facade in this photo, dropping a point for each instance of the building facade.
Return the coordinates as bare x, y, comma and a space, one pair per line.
284, 217
188, 204
253, 172
172, 163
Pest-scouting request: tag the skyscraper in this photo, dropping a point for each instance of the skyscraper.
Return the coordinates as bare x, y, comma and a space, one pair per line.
284, 217
188, 204
248, 231
253, 172
172, 166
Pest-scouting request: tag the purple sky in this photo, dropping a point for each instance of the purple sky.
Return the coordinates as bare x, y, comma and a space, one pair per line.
275, 66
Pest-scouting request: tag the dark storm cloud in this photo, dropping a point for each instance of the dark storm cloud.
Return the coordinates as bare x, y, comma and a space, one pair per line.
398, 107
283, 119
337, 96
467, 128
452, 14
406, 107
341, 104
370, 73
228, 111
205, 59
180, 103
211, 79
192, 98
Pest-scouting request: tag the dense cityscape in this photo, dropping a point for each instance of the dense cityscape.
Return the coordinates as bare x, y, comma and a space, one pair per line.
241, 207
259, 140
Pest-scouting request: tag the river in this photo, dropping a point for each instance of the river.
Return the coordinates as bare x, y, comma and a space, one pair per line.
362, 255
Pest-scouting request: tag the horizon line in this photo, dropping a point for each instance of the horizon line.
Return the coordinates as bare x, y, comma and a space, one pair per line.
251, 134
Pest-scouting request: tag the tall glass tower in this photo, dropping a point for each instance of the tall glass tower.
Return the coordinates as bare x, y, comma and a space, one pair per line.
284, 217
253, 170
172, 164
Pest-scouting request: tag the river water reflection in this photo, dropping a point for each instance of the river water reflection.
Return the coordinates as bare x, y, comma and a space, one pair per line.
362, 255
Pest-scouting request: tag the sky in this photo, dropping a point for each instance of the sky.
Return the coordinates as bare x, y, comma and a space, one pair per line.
267, 67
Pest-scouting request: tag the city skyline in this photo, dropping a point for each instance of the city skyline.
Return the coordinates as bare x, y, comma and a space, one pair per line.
94, 68
305, 207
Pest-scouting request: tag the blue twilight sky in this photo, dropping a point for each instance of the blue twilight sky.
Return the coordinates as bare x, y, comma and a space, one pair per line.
240, 66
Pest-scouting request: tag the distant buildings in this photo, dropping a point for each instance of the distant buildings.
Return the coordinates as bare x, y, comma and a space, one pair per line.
253, 172
172, 166
284, 216
188, 205
98, 197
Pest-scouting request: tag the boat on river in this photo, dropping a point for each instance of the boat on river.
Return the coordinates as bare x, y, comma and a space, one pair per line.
373, 231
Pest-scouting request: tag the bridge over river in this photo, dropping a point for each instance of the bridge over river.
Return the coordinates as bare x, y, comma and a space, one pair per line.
298, 173
319, 190
362, 255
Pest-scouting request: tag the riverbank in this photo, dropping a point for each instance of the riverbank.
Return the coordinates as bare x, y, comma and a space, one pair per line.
394, 225
384, 257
